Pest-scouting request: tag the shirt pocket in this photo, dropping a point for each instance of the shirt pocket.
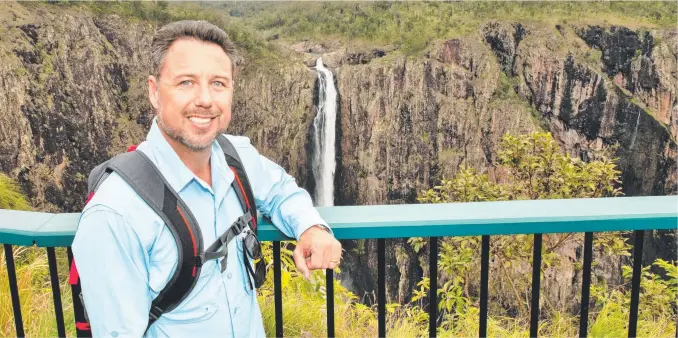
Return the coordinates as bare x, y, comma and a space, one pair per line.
193, 312
201, 304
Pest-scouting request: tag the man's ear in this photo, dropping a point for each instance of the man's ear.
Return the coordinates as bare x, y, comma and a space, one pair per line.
153, 92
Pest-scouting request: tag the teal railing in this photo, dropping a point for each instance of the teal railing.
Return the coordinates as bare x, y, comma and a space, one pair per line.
424, 220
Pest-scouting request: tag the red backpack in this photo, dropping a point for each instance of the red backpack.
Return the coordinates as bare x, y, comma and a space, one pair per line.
145, 178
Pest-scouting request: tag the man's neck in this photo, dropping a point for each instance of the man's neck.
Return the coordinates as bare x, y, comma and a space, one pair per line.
198, 162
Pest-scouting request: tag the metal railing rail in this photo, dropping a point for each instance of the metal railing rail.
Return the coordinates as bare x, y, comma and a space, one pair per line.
380, 222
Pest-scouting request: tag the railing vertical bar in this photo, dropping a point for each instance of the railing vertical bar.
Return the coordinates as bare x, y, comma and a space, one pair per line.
78, 311
14, 290
329, 284
433, 290
484, 276
277, 289
586, 284
381, 281
536, 281
56, 292
635, 280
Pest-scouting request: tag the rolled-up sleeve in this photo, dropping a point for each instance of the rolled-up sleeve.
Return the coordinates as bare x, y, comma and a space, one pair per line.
111, 262
278, 196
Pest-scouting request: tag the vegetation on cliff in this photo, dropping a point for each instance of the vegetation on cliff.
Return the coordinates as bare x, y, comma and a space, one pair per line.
537, 169
11, 196
412, 26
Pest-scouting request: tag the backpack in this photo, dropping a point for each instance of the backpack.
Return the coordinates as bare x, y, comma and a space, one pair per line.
145, 178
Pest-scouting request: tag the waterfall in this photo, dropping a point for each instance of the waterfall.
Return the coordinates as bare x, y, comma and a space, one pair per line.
324, 123
635, 131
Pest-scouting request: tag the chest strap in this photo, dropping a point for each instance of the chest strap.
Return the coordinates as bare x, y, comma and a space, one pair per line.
219, 248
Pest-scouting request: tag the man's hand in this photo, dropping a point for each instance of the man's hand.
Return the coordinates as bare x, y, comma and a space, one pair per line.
316, 249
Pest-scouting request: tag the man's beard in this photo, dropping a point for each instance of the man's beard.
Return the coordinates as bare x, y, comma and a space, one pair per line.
178, 135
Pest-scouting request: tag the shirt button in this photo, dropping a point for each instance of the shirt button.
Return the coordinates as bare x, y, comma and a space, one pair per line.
235, 310
114, 334
229, 275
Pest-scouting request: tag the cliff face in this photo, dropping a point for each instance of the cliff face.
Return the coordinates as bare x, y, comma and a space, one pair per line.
621, 104
73, 93
407, 123
72, 89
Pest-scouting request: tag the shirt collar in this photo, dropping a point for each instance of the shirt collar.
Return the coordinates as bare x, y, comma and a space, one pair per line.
175, 171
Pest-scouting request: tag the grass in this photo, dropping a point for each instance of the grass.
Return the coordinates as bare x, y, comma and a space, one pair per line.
35, 294
11, 196
304, 309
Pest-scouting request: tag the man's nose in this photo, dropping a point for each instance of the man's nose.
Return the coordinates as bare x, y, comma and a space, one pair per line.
204, 97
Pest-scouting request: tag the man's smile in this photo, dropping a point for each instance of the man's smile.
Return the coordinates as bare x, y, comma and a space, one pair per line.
202, 122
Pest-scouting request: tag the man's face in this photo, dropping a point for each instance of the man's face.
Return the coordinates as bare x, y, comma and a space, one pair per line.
193, 95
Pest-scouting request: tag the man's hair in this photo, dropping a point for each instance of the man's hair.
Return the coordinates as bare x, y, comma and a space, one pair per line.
192, 29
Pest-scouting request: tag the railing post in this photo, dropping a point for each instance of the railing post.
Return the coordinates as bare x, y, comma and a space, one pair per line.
484, 280
329, 288
433, 289
536, 281
56, 292
277, 289
635, 280
381, 281
14, 290
586, 284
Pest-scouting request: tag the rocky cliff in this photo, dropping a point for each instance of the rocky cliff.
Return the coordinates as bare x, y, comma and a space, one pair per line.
72, 93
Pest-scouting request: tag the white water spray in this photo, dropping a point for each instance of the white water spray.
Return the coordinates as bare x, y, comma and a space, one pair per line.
324, 162
635, 131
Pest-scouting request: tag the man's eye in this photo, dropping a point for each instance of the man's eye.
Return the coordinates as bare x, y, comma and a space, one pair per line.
185, 82
219, 83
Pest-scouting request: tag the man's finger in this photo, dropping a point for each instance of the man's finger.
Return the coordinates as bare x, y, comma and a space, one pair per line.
327, 255
336, 250
335, 254
300, 262
316, 261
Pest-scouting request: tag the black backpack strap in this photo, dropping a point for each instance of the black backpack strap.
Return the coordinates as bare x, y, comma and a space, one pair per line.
145, 178
241, 183
219, 248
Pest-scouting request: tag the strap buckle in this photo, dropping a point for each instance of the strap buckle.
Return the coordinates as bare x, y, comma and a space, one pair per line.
155, 312
219, 248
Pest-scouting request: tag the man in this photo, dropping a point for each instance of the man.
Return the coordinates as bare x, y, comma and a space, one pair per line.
125, 254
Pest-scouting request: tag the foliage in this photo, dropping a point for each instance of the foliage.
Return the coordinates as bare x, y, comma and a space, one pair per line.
534, 168
162, 12
412, 26
35, 294
527, 159
11, 196
305, 301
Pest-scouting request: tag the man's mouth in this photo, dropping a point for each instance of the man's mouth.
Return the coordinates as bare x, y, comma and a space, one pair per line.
201, 120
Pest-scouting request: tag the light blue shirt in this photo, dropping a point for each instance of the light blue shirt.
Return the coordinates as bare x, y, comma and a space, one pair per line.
125, 254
